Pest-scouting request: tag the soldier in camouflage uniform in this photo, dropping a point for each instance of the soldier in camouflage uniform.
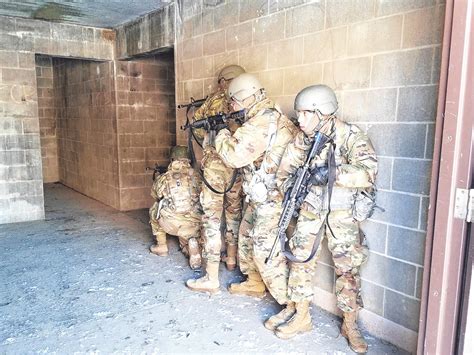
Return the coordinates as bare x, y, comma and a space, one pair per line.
219, 176
356, 170
257, 147
177, 210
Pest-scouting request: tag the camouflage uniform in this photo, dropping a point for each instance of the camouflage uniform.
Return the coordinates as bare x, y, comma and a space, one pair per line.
219, 177
176, 210
356, 169
249, 148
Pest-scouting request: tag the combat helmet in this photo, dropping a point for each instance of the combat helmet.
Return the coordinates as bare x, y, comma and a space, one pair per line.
230, 72
244, 86
179, 152
319, 98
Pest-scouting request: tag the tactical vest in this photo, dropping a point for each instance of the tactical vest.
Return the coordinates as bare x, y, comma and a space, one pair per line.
182, 188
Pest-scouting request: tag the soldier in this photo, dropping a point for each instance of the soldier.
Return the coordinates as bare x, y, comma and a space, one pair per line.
214, 203
257, 147
177, 210
354, 173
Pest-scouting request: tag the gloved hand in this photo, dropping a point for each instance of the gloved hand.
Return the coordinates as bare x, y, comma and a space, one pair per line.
319, 176
219, 126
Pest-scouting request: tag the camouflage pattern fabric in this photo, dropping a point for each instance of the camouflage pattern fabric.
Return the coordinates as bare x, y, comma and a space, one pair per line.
177, 191
356, 168
258, 230
219, 177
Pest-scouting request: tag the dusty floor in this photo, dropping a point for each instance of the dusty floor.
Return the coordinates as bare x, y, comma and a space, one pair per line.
84, 281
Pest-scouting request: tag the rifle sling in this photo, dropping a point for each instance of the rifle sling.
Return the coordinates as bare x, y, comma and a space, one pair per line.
317, 240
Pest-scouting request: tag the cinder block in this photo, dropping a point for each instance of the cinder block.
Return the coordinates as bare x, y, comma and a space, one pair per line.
269, 28
402, 310
418, 103
14, 157
390, 273
419, 282
384, 8
375, 36
342, 12
285, 53
406, 244
430, 141
214, 42
323, 255
398, 140
424, 211
324, 277
423, 27
194, 89
253, 59
7, 24
225, 15
436, 65
373, 297
305, 19
402, 68
276, 6
192, 47
340, 74
376, 235
384, 175
412, 176
250, 9
272, 81
400, 209
12, 41
8, 59
19, 76
10, 126
203, 68
370, 105
298, 77
239, 36
26, 60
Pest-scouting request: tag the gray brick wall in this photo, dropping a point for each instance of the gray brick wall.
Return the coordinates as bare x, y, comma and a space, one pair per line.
21, 177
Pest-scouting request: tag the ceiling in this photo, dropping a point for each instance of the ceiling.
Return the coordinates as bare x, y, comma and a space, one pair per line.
96, 13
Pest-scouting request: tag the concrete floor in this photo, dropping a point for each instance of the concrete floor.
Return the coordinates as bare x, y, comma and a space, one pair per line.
83, 280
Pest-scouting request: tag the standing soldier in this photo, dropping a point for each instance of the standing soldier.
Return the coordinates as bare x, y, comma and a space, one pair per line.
352, 174
219, 176
177, 210
257, 147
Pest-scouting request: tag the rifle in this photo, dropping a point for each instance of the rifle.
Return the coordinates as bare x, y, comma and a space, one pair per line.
193, 103
295, 195
157, 169
213, 123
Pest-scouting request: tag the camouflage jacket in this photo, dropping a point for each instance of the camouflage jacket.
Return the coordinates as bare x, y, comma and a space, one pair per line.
178, 189
249, 146
355, 160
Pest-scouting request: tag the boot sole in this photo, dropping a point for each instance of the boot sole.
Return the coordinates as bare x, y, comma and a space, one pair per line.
248, 293
208, 290
291, 335
344, 334
160, 254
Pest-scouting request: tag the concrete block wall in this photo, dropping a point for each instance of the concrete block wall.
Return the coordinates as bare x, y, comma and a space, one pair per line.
382, 58
86, 128
146, 124
47, 118
21, 177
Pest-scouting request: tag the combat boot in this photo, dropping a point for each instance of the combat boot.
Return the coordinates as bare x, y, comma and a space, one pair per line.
207, 283
194, 254
351, 332
254, 286
299, 323
284, 316
231, 260
160, 248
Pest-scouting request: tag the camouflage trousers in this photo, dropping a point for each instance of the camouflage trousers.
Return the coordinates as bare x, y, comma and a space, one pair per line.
347, 253
183, 226
219, 176
256, 237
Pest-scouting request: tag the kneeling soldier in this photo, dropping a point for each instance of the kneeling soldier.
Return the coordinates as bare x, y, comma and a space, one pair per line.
177, 210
